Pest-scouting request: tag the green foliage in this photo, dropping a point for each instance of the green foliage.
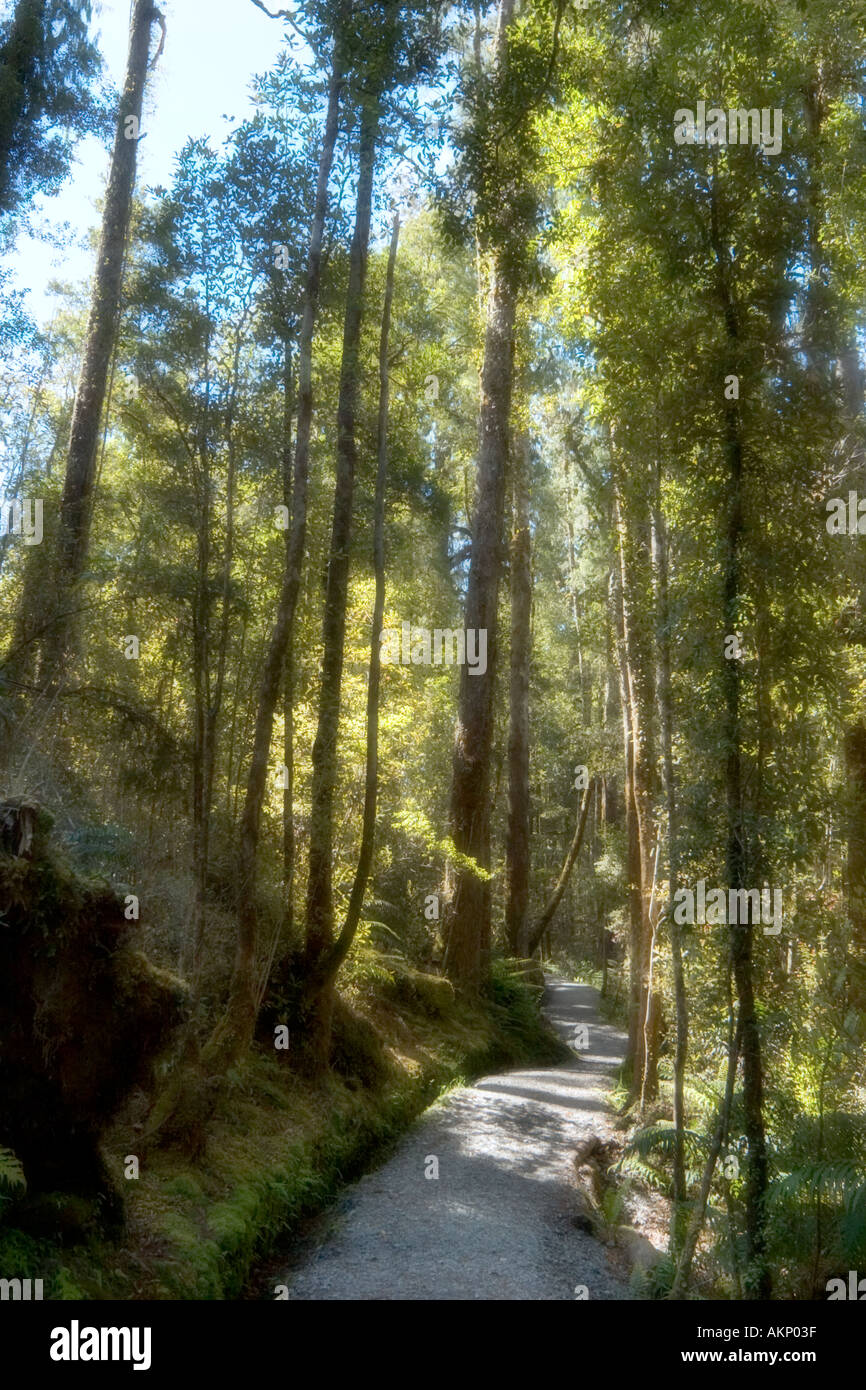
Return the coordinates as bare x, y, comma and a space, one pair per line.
655, 1282
658, 1142
514, 1002
47, 66
12, 1180
832, 1191
205, 1228
611, 1208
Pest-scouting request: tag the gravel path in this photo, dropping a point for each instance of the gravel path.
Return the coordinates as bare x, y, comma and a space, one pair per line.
497, 1222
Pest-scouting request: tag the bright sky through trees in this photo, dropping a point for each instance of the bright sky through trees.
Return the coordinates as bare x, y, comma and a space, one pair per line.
212, 48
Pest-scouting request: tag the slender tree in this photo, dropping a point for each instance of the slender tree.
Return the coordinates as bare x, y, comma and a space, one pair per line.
518, 839
73, 533
328, 967
235, 1030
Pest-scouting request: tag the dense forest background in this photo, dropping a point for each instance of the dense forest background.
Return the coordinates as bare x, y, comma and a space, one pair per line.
455, 334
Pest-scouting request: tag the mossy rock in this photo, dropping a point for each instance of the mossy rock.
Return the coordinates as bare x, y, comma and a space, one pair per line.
432, 994
435, 993
356, 1048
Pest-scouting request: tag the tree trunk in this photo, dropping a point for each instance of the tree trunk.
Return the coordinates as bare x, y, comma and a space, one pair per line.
757, 1280
332, 961
320, 898
234, 1033
633, 861
637, 692
73, 533
288, 921
201, 619
467, 918
666, 726
517, 846
209, 696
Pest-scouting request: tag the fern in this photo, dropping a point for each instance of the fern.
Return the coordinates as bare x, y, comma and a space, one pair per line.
657, 1281
825, 1179
608, 1212
12, 1180
702, 1095
852, 1226
637, 1167
840, 1187
662, 1139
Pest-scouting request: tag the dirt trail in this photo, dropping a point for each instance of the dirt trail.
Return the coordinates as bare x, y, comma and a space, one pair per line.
497, 1222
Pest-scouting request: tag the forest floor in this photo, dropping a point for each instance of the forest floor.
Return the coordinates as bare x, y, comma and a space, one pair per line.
498, 1221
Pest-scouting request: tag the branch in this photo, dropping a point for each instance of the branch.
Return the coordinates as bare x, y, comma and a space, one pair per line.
289, 18
543, 922
542, 91
160, 19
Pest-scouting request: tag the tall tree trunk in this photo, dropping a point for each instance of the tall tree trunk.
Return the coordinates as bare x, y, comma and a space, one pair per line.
201, 623
288, 919
209, 694
585, 685
331, 962
854, 760
517, 845
824, 339
467, 918
637, 690
320, 898
666, 726
757, 1280
234, 1033
633, 859
73, 533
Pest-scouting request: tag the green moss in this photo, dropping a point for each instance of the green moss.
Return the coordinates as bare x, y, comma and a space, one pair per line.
184, 1185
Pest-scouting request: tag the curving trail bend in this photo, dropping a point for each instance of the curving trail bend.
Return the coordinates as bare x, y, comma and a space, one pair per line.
497, 1221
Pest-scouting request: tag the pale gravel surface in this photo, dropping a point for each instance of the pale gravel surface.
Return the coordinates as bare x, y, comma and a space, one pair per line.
497, 1223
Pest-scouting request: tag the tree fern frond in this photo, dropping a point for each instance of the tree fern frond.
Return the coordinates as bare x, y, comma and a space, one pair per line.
12, 1180
662, 1139
827, 1179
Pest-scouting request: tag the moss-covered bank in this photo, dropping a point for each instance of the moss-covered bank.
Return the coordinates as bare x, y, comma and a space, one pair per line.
280, 1147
